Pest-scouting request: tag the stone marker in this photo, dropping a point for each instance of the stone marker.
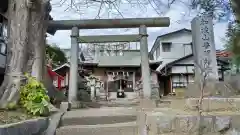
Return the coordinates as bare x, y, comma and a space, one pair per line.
204, 56
204, 47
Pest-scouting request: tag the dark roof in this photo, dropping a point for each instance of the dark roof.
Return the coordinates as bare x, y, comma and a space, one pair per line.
174, 32
183, 58
170, 33
4, 6
190, 55
154, 65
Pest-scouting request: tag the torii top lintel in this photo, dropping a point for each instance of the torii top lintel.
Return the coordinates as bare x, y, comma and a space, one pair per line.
109, 23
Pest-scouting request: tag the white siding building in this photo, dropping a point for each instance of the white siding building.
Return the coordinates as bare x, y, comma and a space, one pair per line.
174, 49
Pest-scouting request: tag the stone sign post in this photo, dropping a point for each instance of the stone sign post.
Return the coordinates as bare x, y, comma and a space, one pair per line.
204, 47
204, 57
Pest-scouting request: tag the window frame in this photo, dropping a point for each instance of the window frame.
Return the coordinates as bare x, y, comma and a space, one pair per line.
164, 45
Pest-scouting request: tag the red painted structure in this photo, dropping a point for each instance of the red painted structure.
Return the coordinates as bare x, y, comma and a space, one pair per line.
223, 53
55, 77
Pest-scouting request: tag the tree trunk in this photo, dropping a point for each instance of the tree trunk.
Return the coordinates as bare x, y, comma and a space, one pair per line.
17, 53
37, 38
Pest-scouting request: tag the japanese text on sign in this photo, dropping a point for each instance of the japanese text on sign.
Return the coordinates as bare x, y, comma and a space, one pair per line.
205, 36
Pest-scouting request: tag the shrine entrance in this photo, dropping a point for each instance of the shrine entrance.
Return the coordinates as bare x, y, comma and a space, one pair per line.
112, 55
75, 25
120, 85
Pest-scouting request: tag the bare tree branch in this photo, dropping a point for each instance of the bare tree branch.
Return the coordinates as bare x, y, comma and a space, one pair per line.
204, 73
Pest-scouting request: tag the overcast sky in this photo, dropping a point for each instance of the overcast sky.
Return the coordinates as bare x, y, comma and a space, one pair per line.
179, 14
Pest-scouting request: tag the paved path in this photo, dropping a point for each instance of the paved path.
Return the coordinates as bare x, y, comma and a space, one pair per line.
98, 112
100, 121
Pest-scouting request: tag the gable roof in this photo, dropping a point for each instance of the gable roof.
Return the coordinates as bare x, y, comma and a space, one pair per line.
169, 33
191, 55
178, 60
153, 64
174, 32
64, 65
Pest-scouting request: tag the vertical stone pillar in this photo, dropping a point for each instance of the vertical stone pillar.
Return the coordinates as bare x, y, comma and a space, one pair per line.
204, 47
145, 62
72, 94
146, 102
134, 81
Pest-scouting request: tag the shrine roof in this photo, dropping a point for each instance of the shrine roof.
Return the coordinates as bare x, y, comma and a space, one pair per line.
117, 61
114, 62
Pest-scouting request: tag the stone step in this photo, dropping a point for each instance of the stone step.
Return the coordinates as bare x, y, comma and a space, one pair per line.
97, 120
129, 128
95, 116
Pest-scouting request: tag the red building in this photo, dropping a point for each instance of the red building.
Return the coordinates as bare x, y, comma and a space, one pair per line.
58, 80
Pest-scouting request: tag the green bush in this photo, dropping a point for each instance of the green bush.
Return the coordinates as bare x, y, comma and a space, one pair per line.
34, 98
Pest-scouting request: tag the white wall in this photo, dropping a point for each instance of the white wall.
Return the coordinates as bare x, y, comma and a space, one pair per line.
183, 69
178, 49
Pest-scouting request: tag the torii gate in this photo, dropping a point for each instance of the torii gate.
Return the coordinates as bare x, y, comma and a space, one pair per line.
75, 25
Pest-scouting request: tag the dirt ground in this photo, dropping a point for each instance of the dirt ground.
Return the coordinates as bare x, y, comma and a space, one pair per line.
7, 117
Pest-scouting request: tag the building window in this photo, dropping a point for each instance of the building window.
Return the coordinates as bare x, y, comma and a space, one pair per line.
180, 81
3, 48
166, 47
4, 31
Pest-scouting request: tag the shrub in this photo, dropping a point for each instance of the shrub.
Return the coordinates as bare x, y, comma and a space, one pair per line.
34, 98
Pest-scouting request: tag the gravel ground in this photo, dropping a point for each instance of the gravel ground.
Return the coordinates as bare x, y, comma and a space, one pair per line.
7, 117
